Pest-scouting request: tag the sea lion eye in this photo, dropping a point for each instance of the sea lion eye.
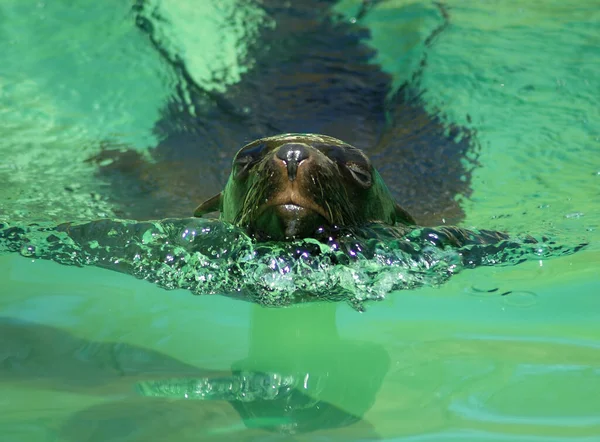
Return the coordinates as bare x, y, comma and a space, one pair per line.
246, 158
361, 174
242, 165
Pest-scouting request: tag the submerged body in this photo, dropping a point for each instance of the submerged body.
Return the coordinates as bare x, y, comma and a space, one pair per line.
310, 72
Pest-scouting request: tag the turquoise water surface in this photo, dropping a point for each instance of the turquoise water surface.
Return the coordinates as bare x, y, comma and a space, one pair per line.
503, 353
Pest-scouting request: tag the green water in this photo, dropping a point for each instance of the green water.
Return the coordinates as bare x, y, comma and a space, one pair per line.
457, 362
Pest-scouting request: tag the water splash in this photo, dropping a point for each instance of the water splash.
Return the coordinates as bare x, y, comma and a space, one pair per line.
210, 257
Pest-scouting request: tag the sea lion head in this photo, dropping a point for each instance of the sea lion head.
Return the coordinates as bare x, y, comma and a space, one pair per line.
291, 186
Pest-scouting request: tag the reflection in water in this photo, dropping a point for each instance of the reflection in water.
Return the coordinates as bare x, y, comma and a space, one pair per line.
441, 377
300, 347
296, 377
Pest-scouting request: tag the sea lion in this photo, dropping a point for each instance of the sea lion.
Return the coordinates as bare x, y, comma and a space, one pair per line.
293, 185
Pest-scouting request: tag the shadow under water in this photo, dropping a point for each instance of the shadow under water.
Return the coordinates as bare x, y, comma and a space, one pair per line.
211, 257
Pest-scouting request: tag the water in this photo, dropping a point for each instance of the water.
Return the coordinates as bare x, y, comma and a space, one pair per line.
499, 353
211, 257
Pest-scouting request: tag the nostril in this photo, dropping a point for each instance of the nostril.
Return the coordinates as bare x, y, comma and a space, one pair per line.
292, 154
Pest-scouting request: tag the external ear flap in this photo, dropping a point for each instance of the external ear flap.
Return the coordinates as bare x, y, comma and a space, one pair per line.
210, 205
402, 216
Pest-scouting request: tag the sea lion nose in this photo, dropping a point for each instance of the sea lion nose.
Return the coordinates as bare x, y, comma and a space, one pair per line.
292, 154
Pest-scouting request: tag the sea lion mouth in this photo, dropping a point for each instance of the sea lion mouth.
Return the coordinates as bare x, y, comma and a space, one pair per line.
288, 220
297, 204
